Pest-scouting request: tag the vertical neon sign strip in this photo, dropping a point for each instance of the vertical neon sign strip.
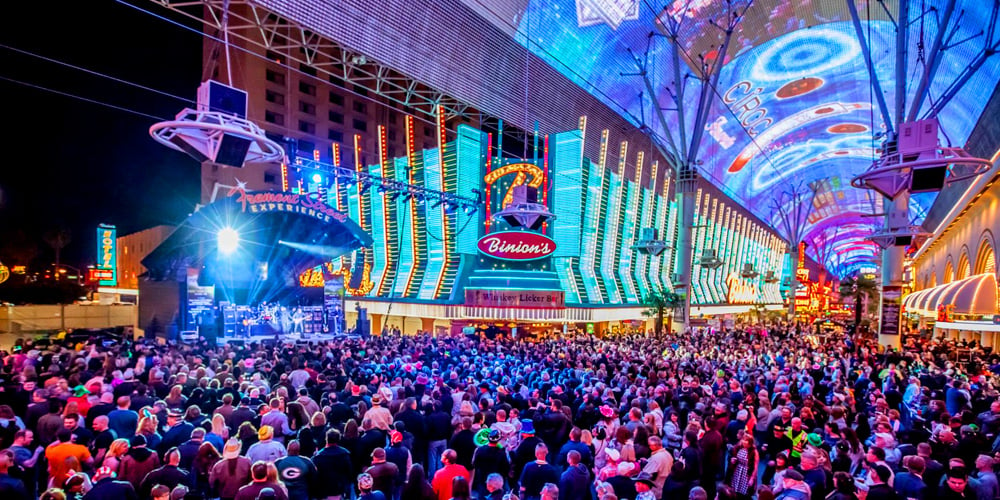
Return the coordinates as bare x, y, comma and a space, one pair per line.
390, 234
545, 183
336, 178
442, 139
411, 165
489, 189
284, 176
107, 253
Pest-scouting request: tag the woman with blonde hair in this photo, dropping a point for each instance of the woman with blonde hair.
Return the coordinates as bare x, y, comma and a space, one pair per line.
219, 433
116, 451
176, 400
148, 428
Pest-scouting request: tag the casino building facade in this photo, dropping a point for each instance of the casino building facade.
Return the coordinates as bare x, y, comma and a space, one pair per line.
439, 267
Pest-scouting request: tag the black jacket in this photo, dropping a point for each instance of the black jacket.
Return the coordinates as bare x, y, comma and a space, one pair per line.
168, 475
335, 471
110, 489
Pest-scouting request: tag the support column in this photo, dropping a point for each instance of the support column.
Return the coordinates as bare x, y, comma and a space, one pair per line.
986, 338
427, 325
376, 322
897, 215
687, 186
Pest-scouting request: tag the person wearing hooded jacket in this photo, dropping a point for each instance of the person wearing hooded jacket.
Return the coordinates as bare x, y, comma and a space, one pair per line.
137, 462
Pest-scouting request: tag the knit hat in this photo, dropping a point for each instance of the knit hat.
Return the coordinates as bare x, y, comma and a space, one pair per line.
607, 411
395, 437
104, 472
266, 432
365, 481
232, 449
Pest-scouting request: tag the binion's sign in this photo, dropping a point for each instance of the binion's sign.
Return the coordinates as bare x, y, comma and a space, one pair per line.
107, 254
517, 245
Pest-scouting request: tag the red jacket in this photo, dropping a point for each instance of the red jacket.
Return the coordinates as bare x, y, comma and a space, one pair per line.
443, 479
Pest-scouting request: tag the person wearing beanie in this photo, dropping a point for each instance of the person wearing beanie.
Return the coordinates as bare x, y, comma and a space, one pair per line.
137, 462
365, 488
525, 451
266, 449
400, 455
11, 487
794, 488
880, 489
986, 480
231, 473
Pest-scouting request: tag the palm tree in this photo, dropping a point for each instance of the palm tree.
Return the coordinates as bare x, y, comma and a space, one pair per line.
657, 303
858, 289
58, 239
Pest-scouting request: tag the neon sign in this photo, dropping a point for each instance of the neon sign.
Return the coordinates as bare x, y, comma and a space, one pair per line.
311, 206
517, 245
315, 278
522, 170
739, 291
107, 253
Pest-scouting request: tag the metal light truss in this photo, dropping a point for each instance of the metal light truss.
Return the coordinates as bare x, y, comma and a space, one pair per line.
345, 174
257, 26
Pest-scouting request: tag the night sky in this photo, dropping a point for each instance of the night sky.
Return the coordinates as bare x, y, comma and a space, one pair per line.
72, 164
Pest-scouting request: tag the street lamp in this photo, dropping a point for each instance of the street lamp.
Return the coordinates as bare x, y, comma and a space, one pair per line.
61, 270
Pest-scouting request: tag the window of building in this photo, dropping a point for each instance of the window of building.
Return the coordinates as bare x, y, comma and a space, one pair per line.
307, 108
275, 118
275, 97
336, 117
335, 135
275, 77
274, 56
307, 69
307, 146
275, 137
336, 98
427, 131
360, 107
307, 88
337, 81
360, 125
308, 128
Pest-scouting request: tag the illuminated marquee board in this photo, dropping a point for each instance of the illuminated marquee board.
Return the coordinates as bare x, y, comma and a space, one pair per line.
107, 254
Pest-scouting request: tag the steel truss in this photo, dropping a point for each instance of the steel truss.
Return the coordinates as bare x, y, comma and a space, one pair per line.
255, 26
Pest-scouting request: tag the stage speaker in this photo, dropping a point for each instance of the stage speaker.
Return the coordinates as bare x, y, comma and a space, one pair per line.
188, 148
928, 179
232, 151
218, 97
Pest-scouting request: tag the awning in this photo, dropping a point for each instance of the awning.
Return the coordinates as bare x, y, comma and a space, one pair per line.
973, 295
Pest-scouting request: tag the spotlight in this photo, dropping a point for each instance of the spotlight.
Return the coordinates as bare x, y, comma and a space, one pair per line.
419, 197
364, 187
393, 196
228, 240
317, 178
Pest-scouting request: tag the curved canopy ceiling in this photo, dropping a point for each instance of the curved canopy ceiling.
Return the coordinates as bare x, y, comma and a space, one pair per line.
794, 104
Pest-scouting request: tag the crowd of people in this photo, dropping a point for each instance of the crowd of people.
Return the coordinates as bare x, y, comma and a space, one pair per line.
746, 413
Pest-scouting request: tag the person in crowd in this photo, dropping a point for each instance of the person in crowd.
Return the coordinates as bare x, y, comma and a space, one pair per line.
170, 474
261, 481
444, 477
537, 474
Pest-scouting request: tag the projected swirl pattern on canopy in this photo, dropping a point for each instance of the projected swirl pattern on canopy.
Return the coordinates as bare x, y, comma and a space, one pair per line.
793, 101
